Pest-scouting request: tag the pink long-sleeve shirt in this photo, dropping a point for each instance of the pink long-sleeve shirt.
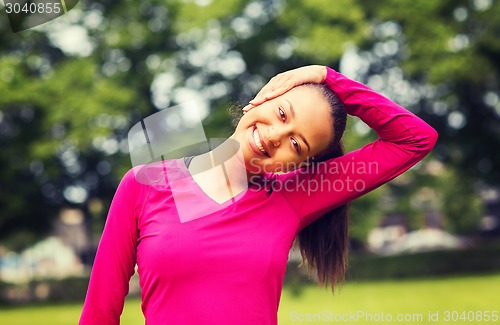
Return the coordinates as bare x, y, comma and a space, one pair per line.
228, 267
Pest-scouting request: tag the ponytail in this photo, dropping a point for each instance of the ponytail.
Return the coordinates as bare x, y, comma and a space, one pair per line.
324, 243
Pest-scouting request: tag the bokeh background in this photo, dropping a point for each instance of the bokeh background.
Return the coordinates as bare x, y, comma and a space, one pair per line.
427, 243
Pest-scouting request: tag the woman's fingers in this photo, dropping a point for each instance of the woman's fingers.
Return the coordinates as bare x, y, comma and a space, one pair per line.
278, 85
247, 108
270, 91
283, 82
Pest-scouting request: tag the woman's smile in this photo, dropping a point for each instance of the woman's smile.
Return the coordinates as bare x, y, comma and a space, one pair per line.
257, 144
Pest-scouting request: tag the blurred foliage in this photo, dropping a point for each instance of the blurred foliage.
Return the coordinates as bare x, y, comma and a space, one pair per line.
456, 200
452, 46
71, 89
470, 261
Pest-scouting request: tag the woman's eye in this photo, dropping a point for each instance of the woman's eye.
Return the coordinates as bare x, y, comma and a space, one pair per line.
282, 114
296, 145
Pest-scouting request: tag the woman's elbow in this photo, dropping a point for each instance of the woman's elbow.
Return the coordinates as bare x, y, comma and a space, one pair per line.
428, 140
433, 137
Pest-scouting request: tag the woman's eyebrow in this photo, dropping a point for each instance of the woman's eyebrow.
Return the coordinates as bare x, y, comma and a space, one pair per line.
292, 112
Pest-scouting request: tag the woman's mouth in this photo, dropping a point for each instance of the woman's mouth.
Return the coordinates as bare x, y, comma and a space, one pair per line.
258, 142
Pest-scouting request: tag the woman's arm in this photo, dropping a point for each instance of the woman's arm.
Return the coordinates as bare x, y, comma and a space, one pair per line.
404, 139
115, 259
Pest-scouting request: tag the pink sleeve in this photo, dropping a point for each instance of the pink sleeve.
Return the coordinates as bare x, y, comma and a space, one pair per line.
115, 259
404, 139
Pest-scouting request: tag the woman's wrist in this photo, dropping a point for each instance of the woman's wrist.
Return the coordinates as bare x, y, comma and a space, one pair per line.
323, 72
329, 76
318, 75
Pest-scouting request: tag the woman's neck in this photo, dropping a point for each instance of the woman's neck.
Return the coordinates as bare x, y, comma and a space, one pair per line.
221, 172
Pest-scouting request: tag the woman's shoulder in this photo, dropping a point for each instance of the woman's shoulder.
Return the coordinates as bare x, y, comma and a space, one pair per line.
156, 173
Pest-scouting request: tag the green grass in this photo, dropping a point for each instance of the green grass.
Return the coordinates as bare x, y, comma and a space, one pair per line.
412, 298
313, 305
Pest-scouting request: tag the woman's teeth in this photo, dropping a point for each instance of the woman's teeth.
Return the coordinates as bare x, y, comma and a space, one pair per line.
257, 142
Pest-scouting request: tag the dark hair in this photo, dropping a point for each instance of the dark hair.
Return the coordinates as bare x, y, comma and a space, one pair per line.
324, 243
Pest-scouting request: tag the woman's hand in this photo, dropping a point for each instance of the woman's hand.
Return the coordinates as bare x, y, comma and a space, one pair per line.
283, 82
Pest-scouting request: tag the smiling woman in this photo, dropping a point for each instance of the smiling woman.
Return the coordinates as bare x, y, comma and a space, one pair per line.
227, 266
287, 130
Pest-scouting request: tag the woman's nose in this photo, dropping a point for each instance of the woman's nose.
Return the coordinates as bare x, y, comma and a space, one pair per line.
275, 135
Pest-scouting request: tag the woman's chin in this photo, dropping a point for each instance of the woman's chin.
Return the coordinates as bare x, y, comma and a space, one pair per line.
257, 166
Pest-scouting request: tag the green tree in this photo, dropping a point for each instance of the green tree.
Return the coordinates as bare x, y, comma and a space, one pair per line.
65, 108
447, 53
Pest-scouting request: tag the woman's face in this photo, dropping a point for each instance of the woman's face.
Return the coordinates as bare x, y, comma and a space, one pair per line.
280, 134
